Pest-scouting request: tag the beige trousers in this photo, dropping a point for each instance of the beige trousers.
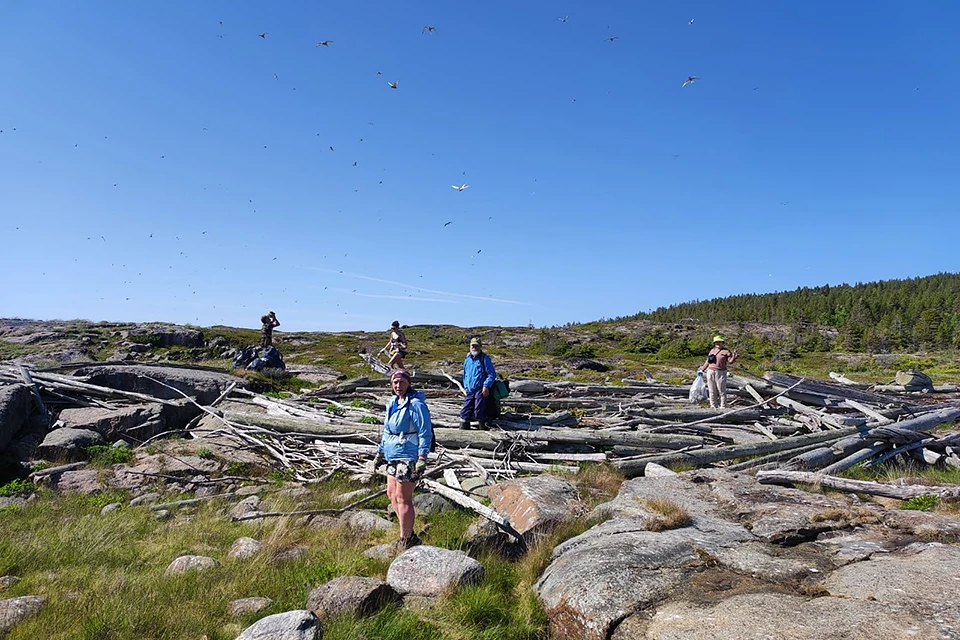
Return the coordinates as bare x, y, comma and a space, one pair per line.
717, 385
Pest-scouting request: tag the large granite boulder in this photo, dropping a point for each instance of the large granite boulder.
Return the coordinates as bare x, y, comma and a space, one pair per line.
203, 386
68, 444
142, 421
431, 571
537, 504
289, 625
15, 407
351, 595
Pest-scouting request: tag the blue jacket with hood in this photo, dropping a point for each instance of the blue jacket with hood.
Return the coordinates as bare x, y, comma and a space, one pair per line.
473, 377
407, 430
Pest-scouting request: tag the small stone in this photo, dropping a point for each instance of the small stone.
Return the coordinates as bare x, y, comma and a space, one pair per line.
8, 581
244, 606
162, 514
147, 498
249, 504
290, 625
113, 506
184, 564
249, 490
16, 610
244, 548
293, 553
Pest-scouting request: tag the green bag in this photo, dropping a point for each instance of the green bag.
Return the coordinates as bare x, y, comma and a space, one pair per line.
501, 389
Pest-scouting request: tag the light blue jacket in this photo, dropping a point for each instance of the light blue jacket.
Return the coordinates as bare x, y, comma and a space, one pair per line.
407, 430
473, 373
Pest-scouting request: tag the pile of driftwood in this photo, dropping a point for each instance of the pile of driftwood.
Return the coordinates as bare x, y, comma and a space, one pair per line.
776, 424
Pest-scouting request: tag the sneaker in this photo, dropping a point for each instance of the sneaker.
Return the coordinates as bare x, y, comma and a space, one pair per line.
464, 424
413, 541
484, 426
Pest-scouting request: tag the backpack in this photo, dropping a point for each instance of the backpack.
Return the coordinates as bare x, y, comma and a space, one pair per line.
499, 390
433, 435
711, 358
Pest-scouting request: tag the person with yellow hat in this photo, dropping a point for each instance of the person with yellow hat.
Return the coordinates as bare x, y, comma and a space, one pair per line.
716, 367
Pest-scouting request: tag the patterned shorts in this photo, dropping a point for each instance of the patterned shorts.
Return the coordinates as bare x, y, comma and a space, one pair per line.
402, 470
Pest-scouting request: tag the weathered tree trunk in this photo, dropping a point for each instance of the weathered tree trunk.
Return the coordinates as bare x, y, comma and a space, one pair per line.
701, 457
611, 438
855, 486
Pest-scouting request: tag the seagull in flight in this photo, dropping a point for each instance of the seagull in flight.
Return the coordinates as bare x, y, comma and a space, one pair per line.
461, 187
264, 35
564, 18
612, 38
394, 85
428, 29
447, 224
689, 80
324, 43
691, 21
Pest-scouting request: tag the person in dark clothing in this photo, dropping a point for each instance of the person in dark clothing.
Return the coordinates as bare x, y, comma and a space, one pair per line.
269, 322
478, 378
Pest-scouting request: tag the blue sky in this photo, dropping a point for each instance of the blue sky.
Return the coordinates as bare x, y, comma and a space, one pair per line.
818, 146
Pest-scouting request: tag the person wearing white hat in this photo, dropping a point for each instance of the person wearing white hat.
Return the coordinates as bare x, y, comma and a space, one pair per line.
716, 367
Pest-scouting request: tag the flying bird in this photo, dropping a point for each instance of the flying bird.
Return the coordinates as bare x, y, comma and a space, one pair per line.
394, 85
461, 187
324, 43
428, 29
264, 35
691, 21
331, 148
612, 38
564, 18
447, 224
378, 75
689, 80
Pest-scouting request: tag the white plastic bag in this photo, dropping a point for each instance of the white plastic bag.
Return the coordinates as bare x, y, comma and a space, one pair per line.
698, 390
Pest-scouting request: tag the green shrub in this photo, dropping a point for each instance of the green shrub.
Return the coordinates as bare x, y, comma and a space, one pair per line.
370, 420
921, 503
237, 469
204, 453
103, 455
15, 487
335, 410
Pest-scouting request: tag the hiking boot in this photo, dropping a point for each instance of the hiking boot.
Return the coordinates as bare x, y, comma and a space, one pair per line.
403, 544
464, 424
483, 426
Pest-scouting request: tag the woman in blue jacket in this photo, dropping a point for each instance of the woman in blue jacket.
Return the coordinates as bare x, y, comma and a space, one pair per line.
406, 440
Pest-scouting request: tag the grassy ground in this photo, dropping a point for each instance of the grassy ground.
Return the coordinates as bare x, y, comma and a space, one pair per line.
103, 575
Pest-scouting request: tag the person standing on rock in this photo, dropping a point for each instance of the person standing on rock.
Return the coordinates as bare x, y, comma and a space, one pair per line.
270, 323
478, 378
716, 367
404, 446
396, 346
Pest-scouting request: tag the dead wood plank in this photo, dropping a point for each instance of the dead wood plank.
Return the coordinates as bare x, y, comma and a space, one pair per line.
610, 438
807, 411
700, 457
904, 492
468, 502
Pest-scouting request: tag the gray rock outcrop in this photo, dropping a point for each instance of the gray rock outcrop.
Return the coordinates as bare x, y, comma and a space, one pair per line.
203, 386
15, 406
351, 595
431, 571
289, 625
68, 443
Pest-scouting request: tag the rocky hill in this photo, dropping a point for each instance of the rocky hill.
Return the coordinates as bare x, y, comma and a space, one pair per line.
602, 504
